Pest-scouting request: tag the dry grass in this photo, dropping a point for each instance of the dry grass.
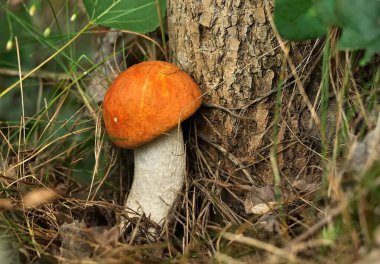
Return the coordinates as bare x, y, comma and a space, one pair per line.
63, 183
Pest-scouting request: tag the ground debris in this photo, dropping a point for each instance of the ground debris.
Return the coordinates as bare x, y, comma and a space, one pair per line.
5, 204
261, 200
78, 241
364, 153
37, 197
373, 256
74, 241
8, 250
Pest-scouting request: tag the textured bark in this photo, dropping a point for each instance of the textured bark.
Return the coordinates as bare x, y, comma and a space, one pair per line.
231, 50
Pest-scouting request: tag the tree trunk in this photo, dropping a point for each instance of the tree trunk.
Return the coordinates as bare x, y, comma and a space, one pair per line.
231, 50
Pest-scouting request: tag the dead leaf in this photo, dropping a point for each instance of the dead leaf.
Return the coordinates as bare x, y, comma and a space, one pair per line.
364, 153
38, 197
270, 224
8, 171
78, 241
15, 2
9, 251
303, 187
261, 200
373, 256
257, 198
5, 204
105, 236
263, 208
75, 241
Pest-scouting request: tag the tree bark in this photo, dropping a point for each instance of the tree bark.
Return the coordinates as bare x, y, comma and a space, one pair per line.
231, 50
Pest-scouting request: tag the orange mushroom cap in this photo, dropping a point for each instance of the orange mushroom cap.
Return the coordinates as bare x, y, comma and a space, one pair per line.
147, 100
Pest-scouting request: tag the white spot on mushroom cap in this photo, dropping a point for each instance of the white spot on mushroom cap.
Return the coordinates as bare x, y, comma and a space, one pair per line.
115, 119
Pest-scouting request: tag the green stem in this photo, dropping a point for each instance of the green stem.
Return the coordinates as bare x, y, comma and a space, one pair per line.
7, 90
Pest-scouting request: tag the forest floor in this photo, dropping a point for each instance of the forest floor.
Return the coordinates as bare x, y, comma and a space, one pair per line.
63, 183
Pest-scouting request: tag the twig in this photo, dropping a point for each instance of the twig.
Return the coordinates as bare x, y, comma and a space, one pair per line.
230, 109
37, 74
231, 157
223, 258
260, 244
332, 214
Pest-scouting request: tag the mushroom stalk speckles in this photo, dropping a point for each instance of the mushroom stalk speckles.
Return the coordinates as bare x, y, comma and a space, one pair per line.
158, 177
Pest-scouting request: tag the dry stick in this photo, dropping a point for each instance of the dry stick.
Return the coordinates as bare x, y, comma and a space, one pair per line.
97, 151
223, 258
259, 244
22, 95
8, 143
42, 148
301, 89
315, 228
39, 74
107, 173
229, 156
211, 105
145, 37
229, 110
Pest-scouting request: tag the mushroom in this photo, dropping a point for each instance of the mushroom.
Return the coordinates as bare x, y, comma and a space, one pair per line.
142, 110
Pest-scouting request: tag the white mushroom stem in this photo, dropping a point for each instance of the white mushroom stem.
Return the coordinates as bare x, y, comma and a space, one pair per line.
158, 176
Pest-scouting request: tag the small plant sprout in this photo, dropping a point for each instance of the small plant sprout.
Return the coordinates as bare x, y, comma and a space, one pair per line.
47, 32
32, 10
9, 45
73, 17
